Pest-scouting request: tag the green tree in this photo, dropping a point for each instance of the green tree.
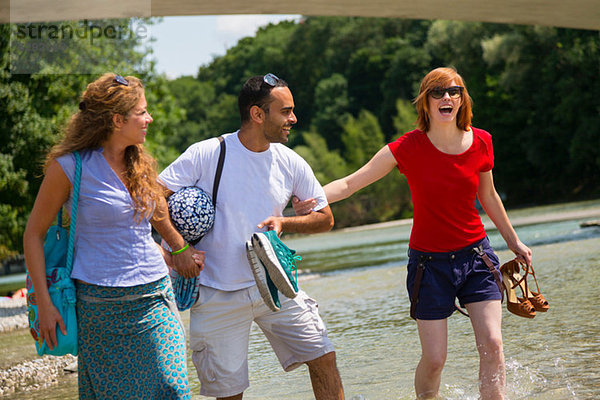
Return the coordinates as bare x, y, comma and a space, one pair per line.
406, 116
265, 52
331, 105
167, 115
24, 136
327, 165
408, 65
362, 138
533, 89
547, 131
36, 106
352, 79
207, 113
385, 199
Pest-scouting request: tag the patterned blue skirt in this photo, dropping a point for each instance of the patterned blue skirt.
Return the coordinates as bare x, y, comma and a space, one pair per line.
131, 343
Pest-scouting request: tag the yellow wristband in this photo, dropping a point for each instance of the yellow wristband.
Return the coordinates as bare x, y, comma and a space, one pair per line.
181, 250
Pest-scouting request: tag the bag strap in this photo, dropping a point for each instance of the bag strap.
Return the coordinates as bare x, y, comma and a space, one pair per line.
76, 184
59, 218
219, 170
493, 270
216, 181
414, 298
486, 260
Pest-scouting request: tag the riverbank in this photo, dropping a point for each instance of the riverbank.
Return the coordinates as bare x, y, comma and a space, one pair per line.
519, 217
22, 370
13, 315
35, 374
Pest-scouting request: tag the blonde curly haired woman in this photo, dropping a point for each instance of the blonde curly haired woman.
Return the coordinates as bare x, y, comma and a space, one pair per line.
130, 339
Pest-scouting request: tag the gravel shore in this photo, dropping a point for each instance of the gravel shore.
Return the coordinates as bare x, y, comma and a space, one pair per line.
13, 315
33, 374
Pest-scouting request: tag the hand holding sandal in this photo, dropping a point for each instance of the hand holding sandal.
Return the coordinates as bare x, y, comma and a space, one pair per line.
536, 298
520, 306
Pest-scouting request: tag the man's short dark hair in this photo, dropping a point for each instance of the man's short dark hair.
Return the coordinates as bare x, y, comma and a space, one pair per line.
256, 92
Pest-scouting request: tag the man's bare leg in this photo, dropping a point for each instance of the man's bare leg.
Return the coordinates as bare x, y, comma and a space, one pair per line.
325, 378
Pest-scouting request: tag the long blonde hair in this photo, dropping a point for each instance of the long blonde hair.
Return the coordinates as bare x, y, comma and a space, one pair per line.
93, 124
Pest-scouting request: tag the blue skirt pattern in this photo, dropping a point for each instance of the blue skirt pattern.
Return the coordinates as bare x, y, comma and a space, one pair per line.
131, 343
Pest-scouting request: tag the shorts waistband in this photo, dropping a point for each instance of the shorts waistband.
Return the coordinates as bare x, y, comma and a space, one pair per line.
450, 254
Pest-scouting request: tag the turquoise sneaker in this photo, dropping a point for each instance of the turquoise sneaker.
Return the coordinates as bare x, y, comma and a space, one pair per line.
279, 260
266, 287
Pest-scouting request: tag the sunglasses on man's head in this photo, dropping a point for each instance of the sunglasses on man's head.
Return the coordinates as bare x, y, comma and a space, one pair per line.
270, 79
121, 81
453, 91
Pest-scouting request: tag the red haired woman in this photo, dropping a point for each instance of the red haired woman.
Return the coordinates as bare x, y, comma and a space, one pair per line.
448, 164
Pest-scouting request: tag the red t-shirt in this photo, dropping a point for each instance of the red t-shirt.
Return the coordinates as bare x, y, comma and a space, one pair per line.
443, 189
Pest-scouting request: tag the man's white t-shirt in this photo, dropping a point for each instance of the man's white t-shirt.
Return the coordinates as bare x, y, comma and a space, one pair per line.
253, 187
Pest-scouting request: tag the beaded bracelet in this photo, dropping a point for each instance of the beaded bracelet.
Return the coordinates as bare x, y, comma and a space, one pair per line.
181, 250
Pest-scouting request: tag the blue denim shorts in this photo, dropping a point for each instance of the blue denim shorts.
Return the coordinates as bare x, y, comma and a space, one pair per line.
458, 274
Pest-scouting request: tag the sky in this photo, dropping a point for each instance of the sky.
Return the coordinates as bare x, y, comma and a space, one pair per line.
182, 44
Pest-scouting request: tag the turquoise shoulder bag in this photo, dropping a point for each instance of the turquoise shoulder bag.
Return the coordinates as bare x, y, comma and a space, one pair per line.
58, 253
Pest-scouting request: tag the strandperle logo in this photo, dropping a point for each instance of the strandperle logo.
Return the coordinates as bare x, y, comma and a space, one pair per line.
87, 30
36, 46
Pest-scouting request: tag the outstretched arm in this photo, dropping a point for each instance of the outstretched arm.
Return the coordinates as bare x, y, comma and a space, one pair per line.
314, 222
377, 167
492, 204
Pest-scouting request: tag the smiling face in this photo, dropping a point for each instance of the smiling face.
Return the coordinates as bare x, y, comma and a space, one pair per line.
445, 109
458, 109
133, 129
280, 116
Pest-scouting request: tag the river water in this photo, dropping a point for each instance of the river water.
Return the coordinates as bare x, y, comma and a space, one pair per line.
362, 298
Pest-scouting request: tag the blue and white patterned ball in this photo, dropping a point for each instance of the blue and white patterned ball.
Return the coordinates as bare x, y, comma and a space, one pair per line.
192, 212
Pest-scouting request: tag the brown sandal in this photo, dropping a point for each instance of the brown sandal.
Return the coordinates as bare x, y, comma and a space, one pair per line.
537, 299
520, 306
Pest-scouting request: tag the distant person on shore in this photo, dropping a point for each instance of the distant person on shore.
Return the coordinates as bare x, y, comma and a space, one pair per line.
18, 294
15, 294
259, 176
448, 164
131, 342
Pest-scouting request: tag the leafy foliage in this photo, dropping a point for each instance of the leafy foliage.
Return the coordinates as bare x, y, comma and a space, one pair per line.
533, 89
353, 79
36, 106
